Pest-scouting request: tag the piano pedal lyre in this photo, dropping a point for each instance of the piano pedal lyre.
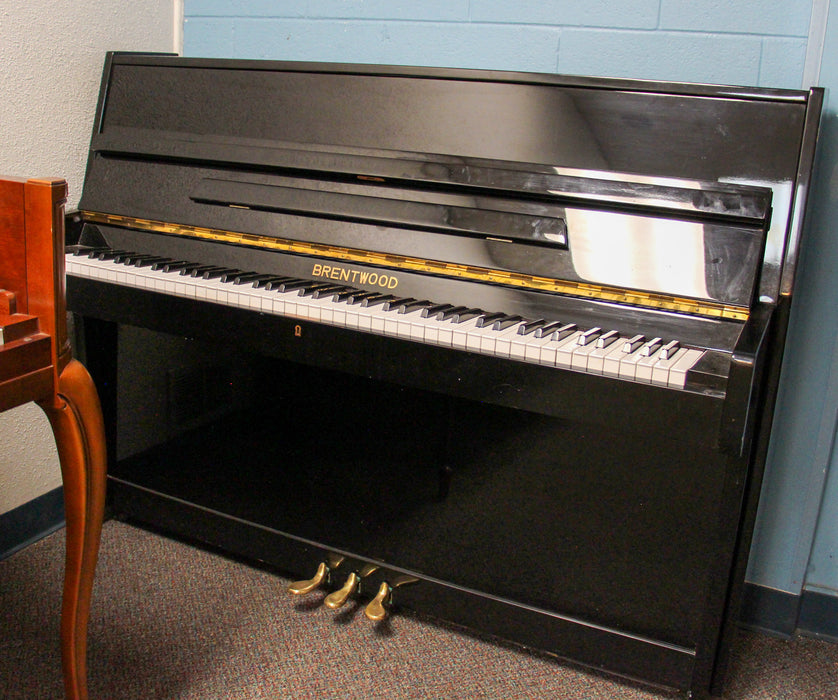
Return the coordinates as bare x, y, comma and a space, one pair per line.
321, 576
352, 585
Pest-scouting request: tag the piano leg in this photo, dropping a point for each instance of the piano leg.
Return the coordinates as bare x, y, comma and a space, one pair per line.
76, 419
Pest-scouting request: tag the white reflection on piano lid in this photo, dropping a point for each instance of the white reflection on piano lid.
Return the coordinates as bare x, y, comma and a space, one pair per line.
775, 251
638, 253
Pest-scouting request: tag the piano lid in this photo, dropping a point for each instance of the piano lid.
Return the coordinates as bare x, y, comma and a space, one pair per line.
671, 196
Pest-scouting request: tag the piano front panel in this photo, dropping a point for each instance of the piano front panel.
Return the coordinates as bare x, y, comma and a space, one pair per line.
439, 488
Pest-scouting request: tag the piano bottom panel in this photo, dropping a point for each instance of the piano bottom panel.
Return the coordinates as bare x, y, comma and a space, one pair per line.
590, 542
565, 637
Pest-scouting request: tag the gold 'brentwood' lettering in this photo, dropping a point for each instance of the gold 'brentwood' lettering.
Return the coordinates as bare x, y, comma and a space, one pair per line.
344, 274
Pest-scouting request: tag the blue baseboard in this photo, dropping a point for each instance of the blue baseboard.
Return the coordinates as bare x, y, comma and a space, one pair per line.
813, 614
769, 610
30, 522
819, 615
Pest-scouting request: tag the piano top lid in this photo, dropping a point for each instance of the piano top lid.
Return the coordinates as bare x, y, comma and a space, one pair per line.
557, 162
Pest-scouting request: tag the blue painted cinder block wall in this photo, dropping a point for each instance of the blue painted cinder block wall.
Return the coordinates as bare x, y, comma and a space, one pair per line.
754, 42
747, 42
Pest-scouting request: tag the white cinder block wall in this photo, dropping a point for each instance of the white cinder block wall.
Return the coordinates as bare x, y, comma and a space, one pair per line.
51, 55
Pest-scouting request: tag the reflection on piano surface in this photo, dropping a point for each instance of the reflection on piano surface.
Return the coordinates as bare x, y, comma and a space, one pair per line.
515, 372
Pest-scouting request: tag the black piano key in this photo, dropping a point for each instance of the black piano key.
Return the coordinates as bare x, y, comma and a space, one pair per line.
531, 326
247, 278
230, 275
415, 305
290, 285
148, 261
607, 339
631, 344
85, 251
562, 333
489, 319
503, 323
109, 254
436, 310
126, 257
467, 315
312, 289
360, 297
651, 347
207, 270
347, 295
668, 350
334, 292
544, 331
219, 273
376, 299
168, 265
188, 268
201, 269
137, 258
450, 313
397, 303
588, 337
271, 280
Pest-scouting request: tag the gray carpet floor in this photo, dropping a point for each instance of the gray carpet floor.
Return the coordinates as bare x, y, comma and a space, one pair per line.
170, 621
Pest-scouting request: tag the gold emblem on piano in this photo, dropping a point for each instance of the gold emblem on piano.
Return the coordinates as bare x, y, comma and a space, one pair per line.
344, 274
298, 331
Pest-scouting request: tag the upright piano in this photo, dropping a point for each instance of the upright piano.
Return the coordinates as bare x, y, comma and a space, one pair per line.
498, 348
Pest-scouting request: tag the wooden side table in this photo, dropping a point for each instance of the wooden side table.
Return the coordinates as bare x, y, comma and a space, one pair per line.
36, 365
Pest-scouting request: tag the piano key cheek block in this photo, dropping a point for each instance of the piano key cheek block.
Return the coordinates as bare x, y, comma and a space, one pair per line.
498, 348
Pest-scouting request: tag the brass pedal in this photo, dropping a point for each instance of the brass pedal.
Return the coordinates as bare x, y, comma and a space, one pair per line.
379, 607
303, 587
337, 598
353, 584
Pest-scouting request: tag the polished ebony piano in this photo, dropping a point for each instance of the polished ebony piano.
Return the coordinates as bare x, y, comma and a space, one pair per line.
498, 348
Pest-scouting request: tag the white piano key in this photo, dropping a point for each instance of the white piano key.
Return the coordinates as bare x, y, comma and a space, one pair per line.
430, 331
596, 360
548, 352
678, 371
564, 352
645, 366
503, 345
490, 341
461, 332
580, 355
660, 372
628, 364
518, 348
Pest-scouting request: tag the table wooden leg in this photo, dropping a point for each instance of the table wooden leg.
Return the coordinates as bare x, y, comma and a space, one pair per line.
76, 419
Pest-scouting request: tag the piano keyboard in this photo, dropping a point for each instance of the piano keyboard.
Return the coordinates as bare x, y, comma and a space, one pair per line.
539, 341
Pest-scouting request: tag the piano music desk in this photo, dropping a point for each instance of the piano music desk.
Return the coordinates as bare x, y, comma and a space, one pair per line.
36, 365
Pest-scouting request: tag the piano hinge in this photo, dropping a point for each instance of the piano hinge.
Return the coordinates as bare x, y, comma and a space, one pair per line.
435, 267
